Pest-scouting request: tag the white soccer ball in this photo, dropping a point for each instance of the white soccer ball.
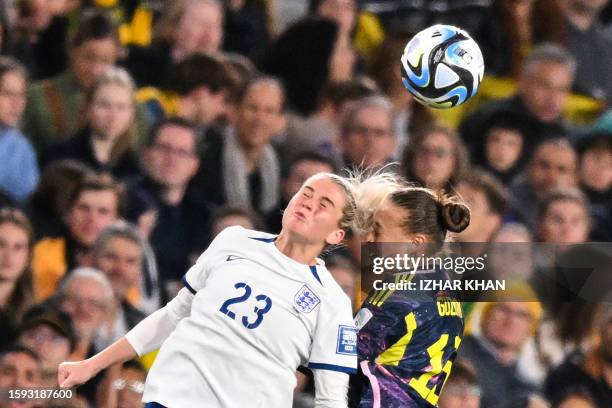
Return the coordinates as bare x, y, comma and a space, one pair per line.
442, 66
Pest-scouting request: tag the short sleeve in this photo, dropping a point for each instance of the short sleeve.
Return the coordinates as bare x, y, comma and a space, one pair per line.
195, 278
335, 341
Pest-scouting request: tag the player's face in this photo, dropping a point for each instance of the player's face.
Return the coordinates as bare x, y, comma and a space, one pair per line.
112, 111
388, 221
300, 172
314, 213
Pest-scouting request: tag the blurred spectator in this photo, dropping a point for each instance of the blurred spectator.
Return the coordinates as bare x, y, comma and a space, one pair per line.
320, 131
20, 367
303, 166
105, 140
49, 201
136, 17
544, 85
247, 26
487, 200
307, 57
226, 217
242, 169
53, 107
367, 134
169, 162
505, 328
552, 165
86, 295
123, 387
345, 273
577, 397
563, 217
18, 166
196, 89
590, 44
511, 28
93, 205
119, 254
343, 12
49, 332
501, 152
185, 27
39, 38
16, 286
591, 370
410, 116
461, 389
595, 174
435, 158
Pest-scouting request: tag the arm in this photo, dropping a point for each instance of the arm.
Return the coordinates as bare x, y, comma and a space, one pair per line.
331, 389
146, 336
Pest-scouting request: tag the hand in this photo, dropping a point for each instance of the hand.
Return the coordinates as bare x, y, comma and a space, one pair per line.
71, 374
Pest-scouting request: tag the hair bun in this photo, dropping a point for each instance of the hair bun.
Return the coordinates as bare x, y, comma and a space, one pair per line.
456, 216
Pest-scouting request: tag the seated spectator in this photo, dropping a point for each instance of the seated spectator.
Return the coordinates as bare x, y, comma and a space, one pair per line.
39, 38
563, 217
589, 43
595, 174
319, 56
590, 370
502, 150
169, 162
461, 389
366, 137
227, 216
123, 386
487, 199
49, 332
106, 140
93, 205
20, 367
553, 165
410, 116
18, 166
48, 203
16, 290
435, 158
86, 295
52, 104
320, 131
196, 88
544, 85
185, 27
505, 328
119, 254
302, 167
242, 169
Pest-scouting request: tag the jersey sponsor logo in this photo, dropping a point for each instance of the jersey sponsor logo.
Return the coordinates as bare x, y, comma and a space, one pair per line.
305, 299
233, 257
347, 340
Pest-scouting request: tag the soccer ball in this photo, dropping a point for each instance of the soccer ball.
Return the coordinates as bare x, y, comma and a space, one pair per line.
442, 66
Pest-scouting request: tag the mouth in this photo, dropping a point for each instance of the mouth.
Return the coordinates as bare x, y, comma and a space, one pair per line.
300, 216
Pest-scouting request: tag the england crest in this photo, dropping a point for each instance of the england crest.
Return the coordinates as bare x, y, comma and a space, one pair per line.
305, 299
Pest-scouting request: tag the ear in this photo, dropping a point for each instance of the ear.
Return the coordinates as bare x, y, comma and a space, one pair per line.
335, 237
418, 239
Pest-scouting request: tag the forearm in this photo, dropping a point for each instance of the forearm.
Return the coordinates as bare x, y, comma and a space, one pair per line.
331, 389
118, 352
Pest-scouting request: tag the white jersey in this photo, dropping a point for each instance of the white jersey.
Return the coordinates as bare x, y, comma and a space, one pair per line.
256, 316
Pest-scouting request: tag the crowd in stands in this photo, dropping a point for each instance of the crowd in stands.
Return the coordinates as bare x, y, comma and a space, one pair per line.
132, 132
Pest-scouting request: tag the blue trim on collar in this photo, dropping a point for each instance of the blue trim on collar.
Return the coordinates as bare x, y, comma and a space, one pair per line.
187, 285
313, 269
264, 239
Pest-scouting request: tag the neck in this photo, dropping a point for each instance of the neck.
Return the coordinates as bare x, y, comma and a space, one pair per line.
186, 109
251, 156
301, 252
582, 17
6, 290
102, 147
173, 195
